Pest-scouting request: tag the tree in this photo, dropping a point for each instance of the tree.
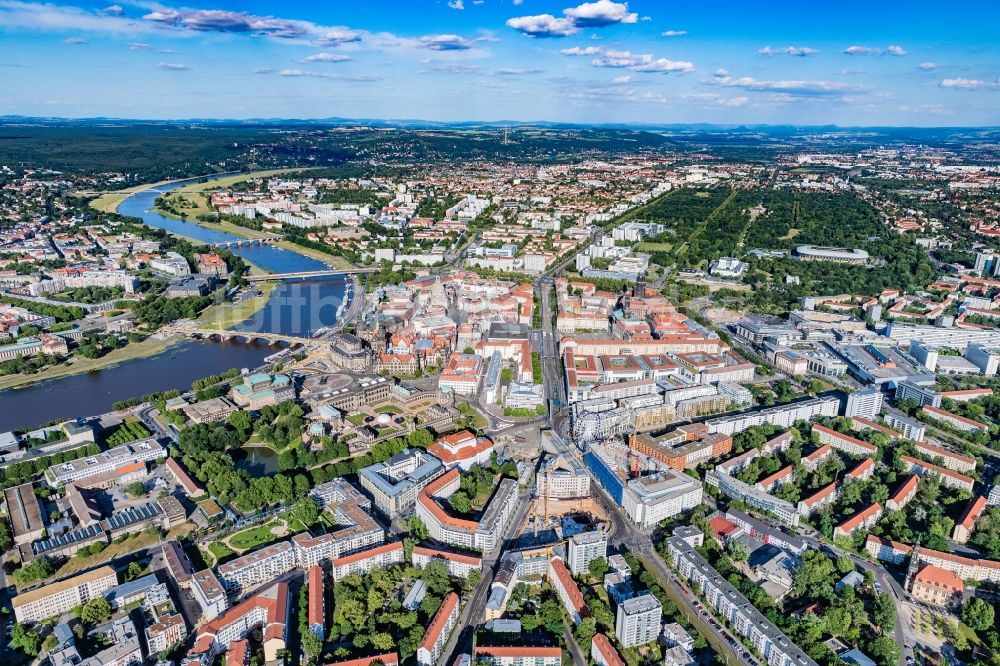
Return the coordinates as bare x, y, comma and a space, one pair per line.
133, 571
311, 644
96, 610
884, 650
884, 612
475, 576
436, 577
241, 421
27, 641
417, 528
738, 550
844, 565
585, 631
551, 616
529, 622
382, 641
37, 569
460, 502
598, 568
978, 614
305, 511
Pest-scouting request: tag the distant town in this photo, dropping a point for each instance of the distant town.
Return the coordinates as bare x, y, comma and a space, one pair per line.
630, 404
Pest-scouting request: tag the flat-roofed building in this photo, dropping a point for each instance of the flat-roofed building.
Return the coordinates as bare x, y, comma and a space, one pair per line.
906, 390
247, 571
111, 460
733, 607
866, 403
909, 428
562, 477
651, 499
585, 547
209, 593
60, 597
395, 483
638, 620
484, 534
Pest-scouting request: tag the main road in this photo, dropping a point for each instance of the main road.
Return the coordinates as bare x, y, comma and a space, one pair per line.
460, 641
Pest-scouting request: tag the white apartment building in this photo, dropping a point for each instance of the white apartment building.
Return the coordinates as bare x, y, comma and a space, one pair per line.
651, 499
246, 572
909, 428
60, 597
842, 442
517, 656
367, 560
783, 416
638, 620
459, 565
922, 396
987, 359
734, 608
209, 594
866, 404
483, 535
562, 477
584, 548
440, 628
108, 461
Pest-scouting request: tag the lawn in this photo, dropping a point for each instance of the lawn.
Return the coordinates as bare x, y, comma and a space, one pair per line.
220, 550
255, 536
388, 409
357, 419
653, 247
226, 315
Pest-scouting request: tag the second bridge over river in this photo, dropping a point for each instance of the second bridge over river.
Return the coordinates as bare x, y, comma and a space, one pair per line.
310, 274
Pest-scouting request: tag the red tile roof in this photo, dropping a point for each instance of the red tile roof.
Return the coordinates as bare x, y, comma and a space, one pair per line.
854, 521
365, 554
526, 651
937, 577
972, 511
844, 438
448, 555
820, 494
315, 595
905, 489
608, 652
566, 581
439, 622
389, 659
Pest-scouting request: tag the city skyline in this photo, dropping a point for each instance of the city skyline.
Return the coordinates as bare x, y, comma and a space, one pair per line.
466, 60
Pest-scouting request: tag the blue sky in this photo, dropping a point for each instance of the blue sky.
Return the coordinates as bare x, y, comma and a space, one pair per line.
846, 62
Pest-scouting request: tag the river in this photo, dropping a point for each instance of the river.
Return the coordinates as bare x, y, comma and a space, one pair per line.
296, 307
